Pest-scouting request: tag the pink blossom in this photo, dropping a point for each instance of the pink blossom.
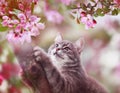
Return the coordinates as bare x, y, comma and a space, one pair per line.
35, 29
27, 26
1, 79
18, 36
14, 89
96, 1
83, 14
3, 5
22, 17
35, 1
54, 16
34, 25
9, 70
83, 17
66, 2
117, 2
88, 21
9, 22
21, 6
26, 5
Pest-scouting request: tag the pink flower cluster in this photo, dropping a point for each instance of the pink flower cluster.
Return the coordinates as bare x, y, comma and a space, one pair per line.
23, 28
14, 89
26, 5
8, 70
83, 17
21, 22
88, 20
3, 5
117, 2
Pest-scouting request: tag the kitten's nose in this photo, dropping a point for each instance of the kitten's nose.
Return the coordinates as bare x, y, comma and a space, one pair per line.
57, 49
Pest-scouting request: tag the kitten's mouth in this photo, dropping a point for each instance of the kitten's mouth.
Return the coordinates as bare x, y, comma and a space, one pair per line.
56, 54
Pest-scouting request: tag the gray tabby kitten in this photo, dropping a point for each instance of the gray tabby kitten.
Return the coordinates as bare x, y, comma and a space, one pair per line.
63, 68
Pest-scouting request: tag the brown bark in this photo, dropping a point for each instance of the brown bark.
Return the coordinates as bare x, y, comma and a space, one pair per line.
33, 73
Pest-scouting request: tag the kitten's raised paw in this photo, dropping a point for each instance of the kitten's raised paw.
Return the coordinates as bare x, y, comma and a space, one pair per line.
38, 53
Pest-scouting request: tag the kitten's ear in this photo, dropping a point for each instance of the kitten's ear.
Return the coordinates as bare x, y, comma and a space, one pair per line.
80, 44
58, 38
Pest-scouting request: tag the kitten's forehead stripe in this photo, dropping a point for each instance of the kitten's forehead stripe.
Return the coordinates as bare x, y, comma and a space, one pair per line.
67, 44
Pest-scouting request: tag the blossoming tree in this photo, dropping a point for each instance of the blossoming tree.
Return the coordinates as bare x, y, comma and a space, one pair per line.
22, 20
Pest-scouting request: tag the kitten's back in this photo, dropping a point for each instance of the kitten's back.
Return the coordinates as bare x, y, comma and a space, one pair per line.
94, 86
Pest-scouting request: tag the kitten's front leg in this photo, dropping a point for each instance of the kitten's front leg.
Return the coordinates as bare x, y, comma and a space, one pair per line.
44, 60
55, 79
32, 73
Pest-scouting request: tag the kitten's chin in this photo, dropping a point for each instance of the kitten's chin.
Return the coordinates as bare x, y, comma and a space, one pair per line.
58, 56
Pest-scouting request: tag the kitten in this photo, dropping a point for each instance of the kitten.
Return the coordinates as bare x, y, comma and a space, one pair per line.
63, 68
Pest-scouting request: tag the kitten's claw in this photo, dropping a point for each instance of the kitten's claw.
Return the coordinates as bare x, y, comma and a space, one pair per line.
37, 52
38, 58
37, 48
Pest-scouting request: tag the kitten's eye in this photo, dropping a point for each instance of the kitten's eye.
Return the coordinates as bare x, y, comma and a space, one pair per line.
56, 45
66, 48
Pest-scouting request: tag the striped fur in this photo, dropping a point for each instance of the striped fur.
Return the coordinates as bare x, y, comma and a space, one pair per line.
64, 71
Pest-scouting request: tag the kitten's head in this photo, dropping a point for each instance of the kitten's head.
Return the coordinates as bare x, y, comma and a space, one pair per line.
65, 51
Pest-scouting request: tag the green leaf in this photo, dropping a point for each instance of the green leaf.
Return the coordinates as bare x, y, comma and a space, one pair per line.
2, 29
115, 12
95, 15
99, 12
72, 7
106, 10
16, 11
104, 3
